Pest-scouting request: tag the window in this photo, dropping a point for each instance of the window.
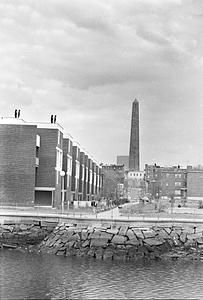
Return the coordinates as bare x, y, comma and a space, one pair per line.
177, 175
77, 172
69, 165
86, 174
59, 161
95, 179
83, 172
58, 137
177, 183
177, 192
90, 176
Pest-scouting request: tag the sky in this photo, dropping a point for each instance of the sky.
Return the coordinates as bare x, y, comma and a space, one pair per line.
87, 60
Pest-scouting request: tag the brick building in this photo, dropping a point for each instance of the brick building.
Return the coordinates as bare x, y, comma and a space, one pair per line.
166, 181
194, 184
32, 157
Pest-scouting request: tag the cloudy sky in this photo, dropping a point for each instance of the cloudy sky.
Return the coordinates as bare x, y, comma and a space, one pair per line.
87, 60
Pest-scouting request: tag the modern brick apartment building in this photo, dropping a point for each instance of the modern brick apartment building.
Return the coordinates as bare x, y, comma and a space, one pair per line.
32, 158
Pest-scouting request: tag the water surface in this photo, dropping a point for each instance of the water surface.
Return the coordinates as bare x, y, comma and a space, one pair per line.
36, 276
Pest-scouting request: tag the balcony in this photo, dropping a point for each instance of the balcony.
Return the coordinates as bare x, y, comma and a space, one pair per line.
37, 162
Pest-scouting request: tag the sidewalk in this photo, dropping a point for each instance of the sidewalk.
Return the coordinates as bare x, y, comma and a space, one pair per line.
111, 215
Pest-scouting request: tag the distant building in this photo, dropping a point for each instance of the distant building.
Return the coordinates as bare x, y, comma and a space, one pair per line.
134, 183
194, 184
166, 181
123, 160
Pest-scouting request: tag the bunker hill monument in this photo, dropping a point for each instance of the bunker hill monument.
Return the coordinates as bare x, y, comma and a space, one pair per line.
134, 154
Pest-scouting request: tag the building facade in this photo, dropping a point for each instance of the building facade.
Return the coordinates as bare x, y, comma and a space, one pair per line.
166, 181
40, 165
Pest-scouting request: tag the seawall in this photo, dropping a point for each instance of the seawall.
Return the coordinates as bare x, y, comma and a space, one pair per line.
107, 241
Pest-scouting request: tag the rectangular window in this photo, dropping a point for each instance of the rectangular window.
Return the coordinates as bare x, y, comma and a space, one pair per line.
86, 174
58, 137
83, 172
177, 192
77, 171
59, 159
177, 175
177, 183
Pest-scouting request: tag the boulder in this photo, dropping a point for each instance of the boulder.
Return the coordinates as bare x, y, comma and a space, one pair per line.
118, 239
133, 241
99, 242
105, 235
130, 234
152, 242
194, 236
74, 237
149, 234
86, 243
138, 233
123, 230
182, 237
84, 234
112, 230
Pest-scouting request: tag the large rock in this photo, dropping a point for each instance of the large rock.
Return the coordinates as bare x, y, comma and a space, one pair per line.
194, 236
95, 235
152, 242
99, 242
138, 233
133, 241
105, 235
86, 243
118, 239
74, 237
123, 230
182, 237
130, 234
163, 234
112, 230
84, 234
149, 234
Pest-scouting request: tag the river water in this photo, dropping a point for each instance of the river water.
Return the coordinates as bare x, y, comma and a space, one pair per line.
36, 276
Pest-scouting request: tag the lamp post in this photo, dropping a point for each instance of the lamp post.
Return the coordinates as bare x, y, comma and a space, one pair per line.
62, 173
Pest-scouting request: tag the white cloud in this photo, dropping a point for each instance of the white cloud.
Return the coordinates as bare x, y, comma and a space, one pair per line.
87, 60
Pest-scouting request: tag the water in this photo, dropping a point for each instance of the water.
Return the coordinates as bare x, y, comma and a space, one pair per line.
32, 276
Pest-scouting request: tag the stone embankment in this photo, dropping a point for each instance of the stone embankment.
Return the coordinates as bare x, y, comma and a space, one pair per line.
125, 242
23, 235
106, 241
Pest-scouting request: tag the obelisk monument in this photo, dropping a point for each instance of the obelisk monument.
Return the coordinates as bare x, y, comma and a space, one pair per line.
134, 153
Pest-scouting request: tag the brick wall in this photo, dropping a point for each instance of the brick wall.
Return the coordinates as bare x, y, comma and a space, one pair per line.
195, 184
17, 164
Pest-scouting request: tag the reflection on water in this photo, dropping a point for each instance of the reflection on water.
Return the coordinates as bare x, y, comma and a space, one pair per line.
25, 275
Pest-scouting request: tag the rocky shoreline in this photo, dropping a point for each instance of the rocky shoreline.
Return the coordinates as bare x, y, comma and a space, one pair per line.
107, 241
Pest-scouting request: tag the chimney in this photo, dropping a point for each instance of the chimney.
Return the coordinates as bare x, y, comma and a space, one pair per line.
52, 117
16, 113
55, 119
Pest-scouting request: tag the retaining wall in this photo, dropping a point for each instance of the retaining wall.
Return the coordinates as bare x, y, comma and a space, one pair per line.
107, 241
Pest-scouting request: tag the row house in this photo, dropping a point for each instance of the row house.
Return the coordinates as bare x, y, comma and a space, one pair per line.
41, 165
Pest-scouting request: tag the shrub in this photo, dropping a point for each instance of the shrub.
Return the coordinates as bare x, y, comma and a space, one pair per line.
200, 205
